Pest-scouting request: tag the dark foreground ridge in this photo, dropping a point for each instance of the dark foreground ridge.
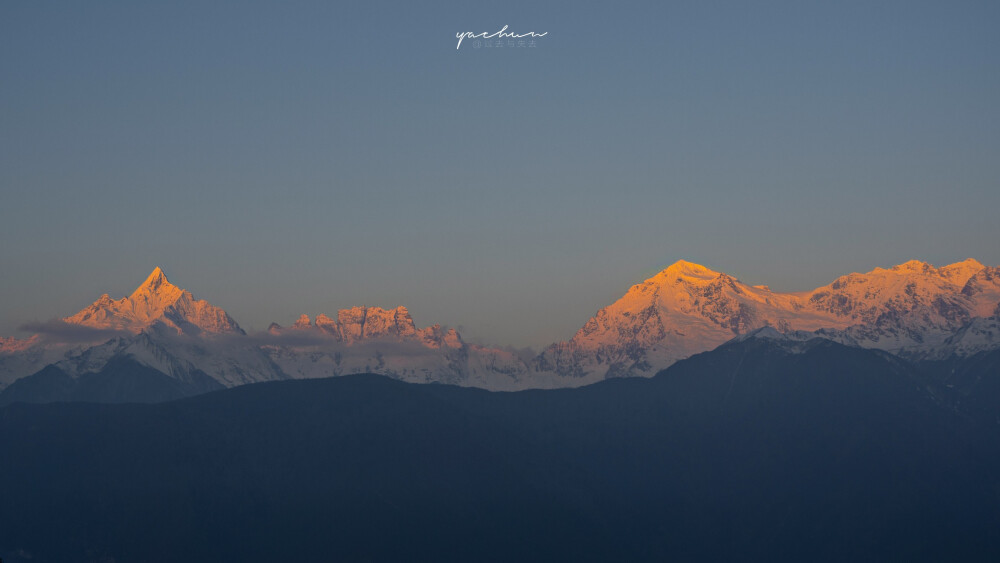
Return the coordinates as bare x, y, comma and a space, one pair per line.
758, 450
122, 380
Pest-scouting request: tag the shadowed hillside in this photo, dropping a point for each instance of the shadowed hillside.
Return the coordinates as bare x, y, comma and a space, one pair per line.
760, 450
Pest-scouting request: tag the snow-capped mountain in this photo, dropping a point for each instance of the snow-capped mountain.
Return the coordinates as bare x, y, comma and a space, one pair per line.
372, 339
983, 289
164, 327
910, 309
159, 325
913, 310
980, 334
359, 324
685, 309
156, 302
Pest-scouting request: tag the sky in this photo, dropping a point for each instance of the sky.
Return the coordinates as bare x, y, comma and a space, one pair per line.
302, 157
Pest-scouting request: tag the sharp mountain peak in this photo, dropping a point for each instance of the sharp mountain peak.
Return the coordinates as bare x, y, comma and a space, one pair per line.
155, 302
156, 282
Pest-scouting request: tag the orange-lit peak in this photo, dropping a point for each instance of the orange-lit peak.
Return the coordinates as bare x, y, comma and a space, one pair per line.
912, 266
958, 273
967, 263
683, 268
156, 276
156, 282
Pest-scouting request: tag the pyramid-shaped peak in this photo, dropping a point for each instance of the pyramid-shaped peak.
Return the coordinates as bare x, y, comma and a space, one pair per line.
156, 301
157, 275
683, 268
156, 281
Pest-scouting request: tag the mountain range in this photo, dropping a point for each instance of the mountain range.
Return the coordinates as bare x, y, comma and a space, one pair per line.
914, 310
186, 346
855, 422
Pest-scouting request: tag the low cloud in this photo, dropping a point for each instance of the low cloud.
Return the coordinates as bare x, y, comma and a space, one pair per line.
526, 354
287, 338
58, 331
326, 343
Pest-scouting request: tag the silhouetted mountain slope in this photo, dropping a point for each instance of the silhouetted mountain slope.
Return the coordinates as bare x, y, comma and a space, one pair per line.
350, 468
974, 384
815, 451
49, 385
121, 380
760, 450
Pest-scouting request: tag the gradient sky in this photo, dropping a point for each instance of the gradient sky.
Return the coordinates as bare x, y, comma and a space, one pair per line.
300, 157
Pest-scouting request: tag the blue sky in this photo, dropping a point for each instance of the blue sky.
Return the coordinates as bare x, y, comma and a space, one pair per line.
287, 158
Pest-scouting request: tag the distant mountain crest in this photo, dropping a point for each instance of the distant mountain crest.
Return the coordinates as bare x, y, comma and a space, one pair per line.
687, 308
156, 303
156, 280
682, 269
361, 324
913, 309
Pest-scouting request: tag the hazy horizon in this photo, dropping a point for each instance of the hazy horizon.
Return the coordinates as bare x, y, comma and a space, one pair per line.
278, 162
469, 334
